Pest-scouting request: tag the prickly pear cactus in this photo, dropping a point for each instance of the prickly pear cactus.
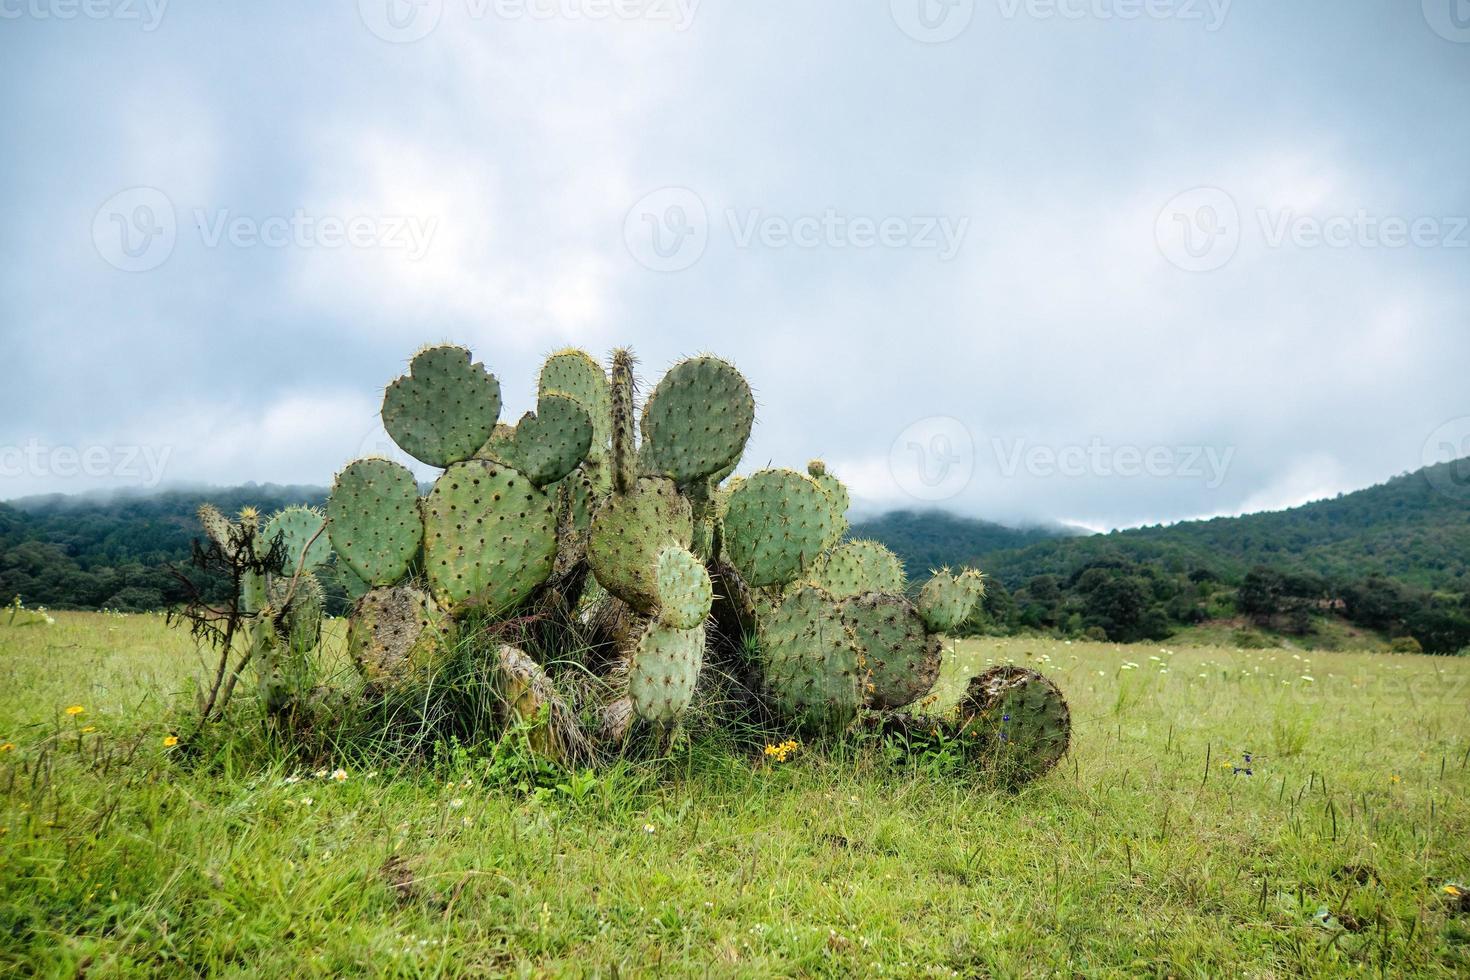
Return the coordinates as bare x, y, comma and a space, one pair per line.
837, 493
526, 695
373, 520
663, 670
776, 524
697, 420
397, 637
684, 591
857, 567
814, 672
901, 658
947, 600
629, 532
1021, 719
489, 537
444, 409
303, 537
578, 376
546, 444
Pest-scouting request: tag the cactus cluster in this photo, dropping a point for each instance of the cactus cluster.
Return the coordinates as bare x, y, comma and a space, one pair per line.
616, 540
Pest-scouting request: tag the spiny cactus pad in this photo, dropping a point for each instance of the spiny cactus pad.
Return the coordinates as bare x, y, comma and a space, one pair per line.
901, 658
697, 420
812, 665
684, 590
444, 409
397, 637
577, 375
857, 567
1021, 717
298, 611
836, 491
297, 527
219, 529
946, 601
663, 671
628, 533
373, 520
776, 524
550, 442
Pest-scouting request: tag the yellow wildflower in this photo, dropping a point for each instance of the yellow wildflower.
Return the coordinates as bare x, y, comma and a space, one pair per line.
75, 710
1393, 779
169, 741
1452, 891
89, 729
7, 747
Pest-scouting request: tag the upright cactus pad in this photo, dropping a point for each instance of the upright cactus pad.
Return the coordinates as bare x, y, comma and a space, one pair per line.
373, 520
1022, 719
397, 637
901, 658
548, 444
663, 670
836, 492
813, 671
629, 531
697, 420
858, 567
946, 601
578, 376
489, 537
220, 530
302, 530
444, 409
684, 590
776, 524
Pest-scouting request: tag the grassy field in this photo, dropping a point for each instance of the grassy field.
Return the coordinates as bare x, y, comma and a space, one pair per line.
1156, 848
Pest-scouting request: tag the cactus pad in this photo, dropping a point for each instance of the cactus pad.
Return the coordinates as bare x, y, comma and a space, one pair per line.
373, 520
946, 601
1021, 716
902, 660
836, 492
297, 527
528, 696
397, 637
629, 531
858, 567
444, 409
664, 668
776, 523
546, 444
578, 376
811, 661
684, 590
697, 420
489, 537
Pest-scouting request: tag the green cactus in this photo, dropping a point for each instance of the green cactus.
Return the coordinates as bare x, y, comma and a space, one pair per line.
546, 444
697, 421
285, 640
837, 493
489, 537
302, 531
900, 657
630, 531
1020, 719
444, 409
684, 590
663, 670
857, 567
397, 637
947, 600
776, 523
813, 668
373, 520
578, 376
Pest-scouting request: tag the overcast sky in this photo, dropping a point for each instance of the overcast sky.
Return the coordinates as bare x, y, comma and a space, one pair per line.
1102, 261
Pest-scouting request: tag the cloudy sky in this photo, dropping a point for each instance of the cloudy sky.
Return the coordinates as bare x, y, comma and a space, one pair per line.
1102, 261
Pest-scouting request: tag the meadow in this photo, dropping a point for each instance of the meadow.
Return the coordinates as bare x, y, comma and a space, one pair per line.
1221, 812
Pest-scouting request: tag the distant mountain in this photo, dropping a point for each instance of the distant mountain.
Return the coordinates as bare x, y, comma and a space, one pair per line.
931, 539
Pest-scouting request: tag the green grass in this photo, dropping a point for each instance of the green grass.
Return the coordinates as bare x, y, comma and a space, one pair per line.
1136, 856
